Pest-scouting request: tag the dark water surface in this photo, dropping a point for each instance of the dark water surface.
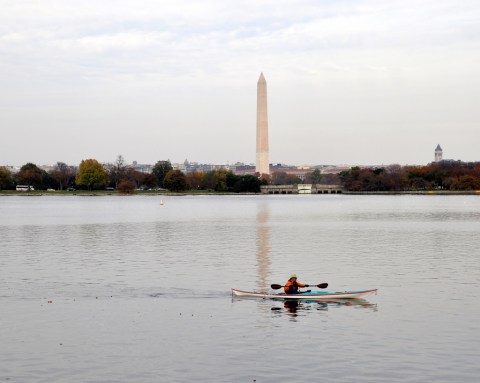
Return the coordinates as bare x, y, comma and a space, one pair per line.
140, 292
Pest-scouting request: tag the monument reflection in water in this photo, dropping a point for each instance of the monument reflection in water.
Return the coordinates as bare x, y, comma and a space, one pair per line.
263, 247
264, 263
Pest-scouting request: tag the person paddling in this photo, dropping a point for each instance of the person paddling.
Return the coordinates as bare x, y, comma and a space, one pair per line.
291, 287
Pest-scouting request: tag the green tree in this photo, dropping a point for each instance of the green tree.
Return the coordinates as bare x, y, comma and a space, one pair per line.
160, 170
175, 181
6, 179
247, 184
149, 181
91, 175
231, 180
314, 177
221, 180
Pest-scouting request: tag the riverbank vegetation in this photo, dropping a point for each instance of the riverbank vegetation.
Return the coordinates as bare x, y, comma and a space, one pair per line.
93, 176
444, 175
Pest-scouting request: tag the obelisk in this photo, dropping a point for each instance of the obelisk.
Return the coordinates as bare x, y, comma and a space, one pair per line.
262, 165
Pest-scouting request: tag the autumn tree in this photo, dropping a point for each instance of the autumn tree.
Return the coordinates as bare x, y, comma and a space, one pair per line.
133, 176
91, 175
6, 179
126, 187
160, 170
31, 175
195, 180
448, 175
393, 178
466, 182
265, 179
175, 181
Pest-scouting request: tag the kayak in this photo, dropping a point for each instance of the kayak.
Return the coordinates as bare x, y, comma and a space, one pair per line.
311, 295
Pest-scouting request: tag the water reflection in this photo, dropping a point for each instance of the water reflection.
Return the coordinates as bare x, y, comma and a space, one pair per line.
294, 308
263, 247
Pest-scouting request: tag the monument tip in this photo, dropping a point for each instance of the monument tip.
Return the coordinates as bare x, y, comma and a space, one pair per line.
261, 78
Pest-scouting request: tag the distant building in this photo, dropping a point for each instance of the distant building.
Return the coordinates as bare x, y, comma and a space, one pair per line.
142, 168
438, 153
194, 167
291, 170
243, 169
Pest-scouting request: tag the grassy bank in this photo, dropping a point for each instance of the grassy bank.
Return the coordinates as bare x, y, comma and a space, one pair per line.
109, 193
418, 192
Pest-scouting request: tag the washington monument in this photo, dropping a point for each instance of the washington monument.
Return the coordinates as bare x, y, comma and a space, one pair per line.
262, 165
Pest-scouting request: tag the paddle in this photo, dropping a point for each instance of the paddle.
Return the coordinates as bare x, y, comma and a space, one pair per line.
320, 286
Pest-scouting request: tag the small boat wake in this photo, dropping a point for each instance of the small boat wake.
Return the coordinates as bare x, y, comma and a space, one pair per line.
178, 293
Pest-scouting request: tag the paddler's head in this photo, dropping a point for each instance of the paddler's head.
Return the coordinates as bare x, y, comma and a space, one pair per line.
293, 276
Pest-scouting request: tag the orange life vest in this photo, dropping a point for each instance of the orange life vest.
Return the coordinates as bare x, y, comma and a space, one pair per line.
291, 287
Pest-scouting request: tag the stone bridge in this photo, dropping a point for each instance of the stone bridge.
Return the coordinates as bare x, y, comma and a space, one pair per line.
301, 189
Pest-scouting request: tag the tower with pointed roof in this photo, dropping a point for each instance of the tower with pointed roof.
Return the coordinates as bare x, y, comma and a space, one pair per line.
438, 153
262, 165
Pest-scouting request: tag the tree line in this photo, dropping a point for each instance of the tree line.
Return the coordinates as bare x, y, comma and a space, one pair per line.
89, 175
443, 175
92, 175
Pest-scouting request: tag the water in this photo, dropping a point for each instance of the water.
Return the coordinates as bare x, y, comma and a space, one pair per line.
123, 289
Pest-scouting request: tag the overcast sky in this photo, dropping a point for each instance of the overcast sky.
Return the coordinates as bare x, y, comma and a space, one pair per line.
349, 81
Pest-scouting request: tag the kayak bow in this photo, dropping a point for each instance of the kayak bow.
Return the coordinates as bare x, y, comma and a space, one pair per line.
311, 295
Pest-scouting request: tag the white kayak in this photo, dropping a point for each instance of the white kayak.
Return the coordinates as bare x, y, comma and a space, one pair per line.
311, 295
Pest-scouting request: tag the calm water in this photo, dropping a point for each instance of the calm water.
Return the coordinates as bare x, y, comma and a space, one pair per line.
140, 292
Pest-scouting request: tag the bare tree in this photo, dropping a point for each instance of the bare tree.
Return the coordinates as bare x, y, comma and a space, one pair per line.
118, 170
62, 173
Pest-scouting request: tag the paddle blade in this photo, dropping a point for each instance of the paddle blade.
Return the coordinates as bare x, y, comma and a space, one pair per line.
322, 285
276, 287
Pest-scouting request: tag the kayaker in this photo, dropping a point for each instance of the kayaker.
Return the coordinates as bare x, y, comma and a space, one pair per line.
291, 287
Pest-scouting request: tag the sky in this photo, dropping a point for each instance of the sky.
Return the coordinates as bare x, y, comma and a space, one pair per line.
359, 82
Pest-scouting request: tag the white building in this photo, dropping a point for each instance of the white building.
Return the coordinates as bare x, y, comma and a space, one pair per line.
438, 153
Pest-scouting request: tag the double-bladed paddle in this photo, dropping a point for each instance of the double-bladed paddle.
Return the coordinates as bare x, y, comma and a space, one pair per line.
320, 286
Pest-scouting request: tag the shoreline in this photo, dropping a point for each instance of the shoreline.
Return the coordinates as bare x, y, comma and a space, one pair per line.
419, 192
86, 193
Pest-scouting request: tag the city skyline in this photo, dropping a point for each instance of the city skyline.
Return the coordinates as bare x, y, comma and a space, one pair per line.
352, 82
251, 166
